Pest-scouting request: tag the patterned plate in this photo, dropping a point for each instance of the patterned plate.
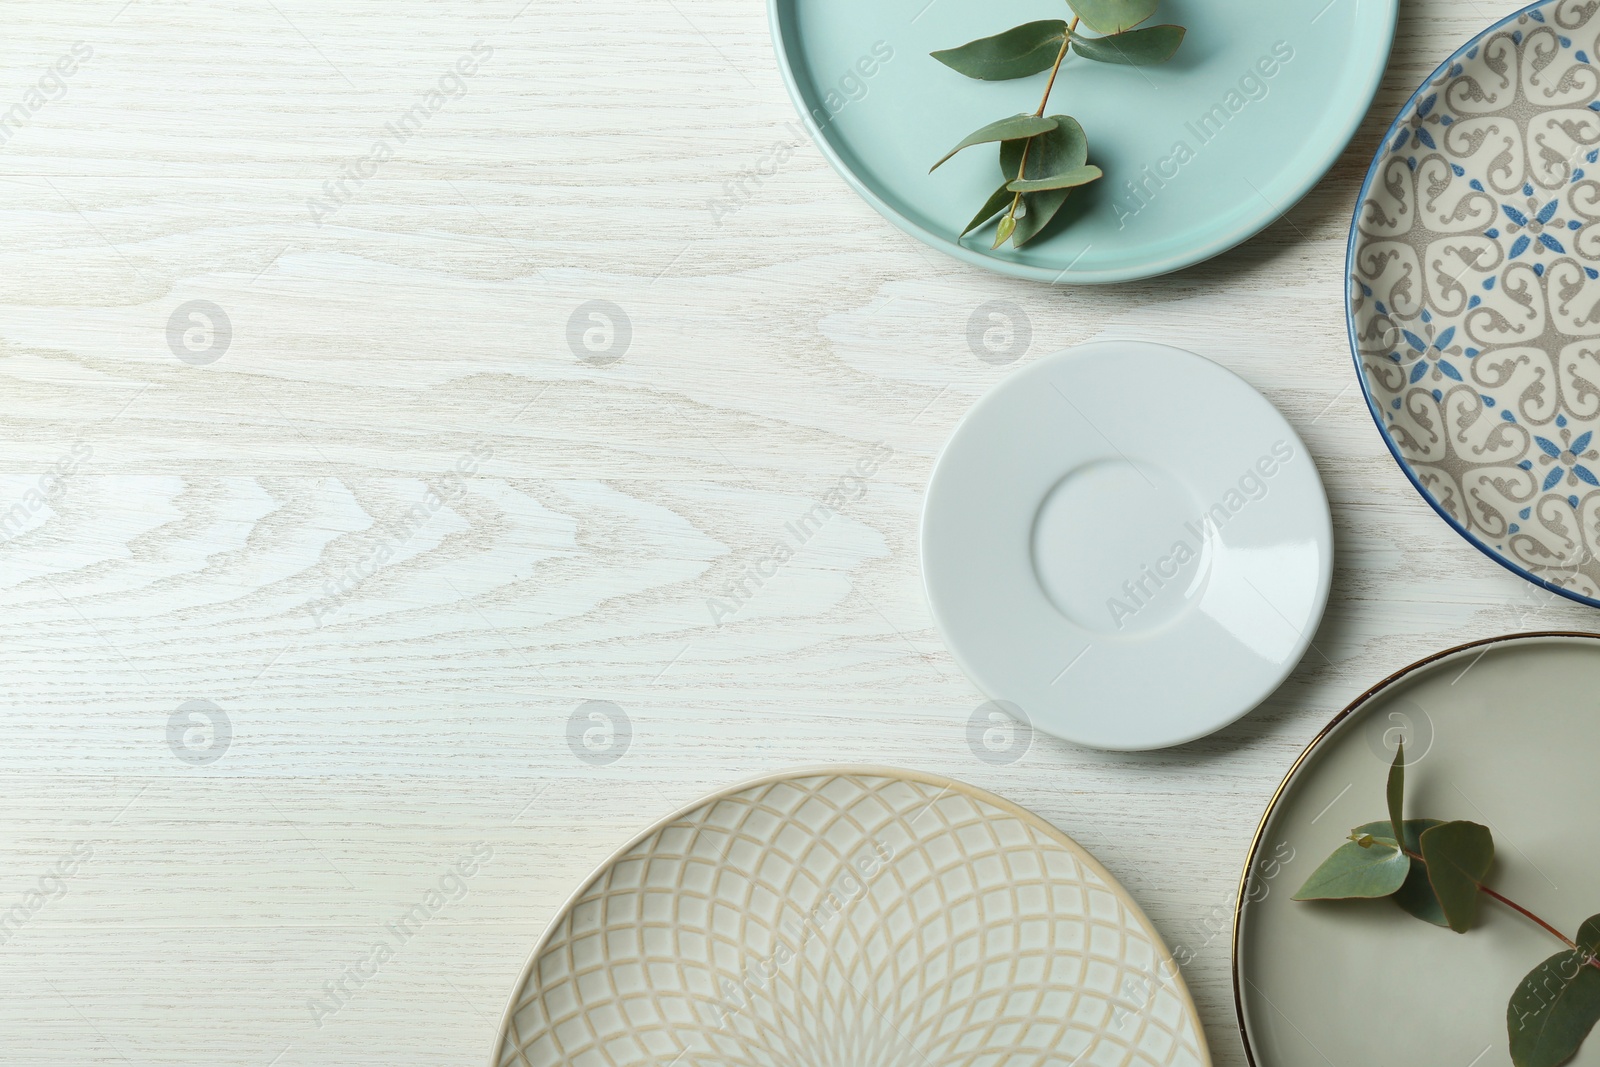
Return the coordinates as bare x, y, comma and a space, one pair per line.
1474, 310
851, 917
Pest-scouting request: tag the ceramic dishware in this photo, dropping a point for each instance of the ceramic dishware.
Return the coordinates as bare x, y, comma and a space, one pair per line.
1199, 153
851, 915
1474, 293
1126, 545
1499, 732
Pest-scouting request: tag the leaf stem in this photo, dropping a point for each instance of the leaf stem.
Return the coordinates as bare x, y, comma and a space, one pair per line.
1044, 101
1051, 84
1514, 906
1524, 912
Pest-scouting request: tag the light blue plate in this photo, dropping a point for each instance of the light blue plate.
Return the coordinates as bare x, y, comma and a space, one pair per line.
1199, 153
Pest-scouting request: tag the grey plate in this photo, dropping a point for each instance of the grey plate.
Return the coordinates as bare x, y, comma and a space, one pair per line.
1502, 732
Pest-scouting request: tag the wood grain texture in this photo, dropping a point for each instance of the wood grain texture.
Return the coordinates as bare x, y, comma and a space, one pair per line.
398, 532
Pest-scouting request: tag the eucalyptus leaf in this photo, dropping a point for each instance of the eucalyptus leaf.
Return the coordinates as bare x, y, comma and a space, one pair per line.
1416, 895
1588, 937
1354, 870
1136, 48
992, 207
1055, 152
1041, 208
1004, 130
1017, 53
1068, 149
1038, 208
1553, 1010
1113, 16
1458, 855
1395, 791
1067, 179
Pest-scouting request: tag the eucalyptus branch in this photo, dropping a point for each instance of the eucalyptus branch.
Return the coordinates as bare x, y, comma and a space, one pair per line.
1008, 225
1043, 158
1435, 871
1514, 906
1066, 40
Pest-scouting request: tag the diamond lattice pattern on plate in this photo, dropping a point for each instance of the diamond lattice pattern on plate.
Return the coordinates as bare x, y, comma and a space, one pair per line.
849, 921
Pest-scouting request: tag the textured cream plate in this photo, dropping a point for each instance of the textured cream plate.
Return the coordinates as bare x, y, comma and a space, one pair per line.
1502, 732
851, 917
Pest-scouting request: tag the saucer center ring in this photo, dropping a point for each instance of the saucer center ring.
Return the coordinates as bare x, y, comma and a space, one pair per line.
1111, 550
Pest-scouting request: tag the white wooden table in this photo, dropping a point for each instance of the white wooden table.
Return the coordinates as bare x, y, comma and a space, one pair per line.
396, 532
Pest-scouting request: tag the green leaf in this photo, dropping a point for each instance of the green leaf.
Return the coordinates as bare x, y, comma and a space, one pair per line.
1396, 791
1588, 937
1066, 148
1017, 53
1016, 126
1041, 208
1416, 894
1113, 16
992, 207
1137, 48
1062, 149
1068, 179
1375, 870
1458, 855
1008, 226
1553, 1010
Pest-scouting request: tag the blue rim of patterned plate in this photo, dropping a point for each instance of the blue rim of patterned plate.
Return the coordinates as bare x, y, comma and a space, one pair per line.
1349, 313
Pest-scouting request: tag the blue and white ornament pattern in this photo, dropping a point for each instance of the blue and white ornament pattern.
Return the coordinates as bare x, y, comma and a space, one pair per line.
1475, 292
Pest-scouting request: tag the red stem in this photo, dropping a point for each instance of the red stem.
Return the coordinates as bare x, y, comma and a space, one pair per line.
1524, 912
1514, 906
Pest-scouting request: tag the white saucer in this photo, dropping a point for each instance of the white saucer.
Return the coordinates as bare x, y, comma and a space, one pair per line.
1127, 544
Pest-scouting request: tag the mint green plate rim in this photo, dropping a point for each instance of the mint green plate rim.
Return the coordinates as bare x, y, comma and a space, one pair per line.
1207, 244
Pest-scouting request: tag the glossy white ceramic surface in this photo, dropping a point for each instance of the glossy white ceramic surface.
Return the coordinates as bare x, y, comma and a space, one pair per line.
1126, 545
